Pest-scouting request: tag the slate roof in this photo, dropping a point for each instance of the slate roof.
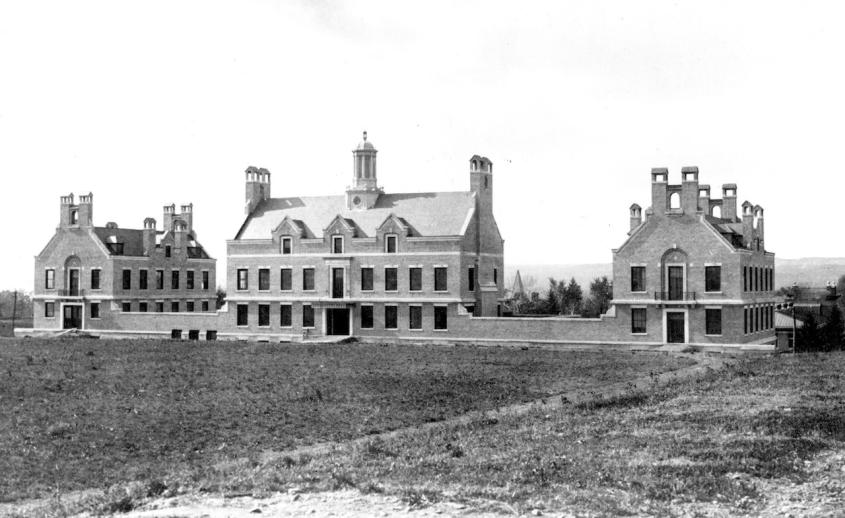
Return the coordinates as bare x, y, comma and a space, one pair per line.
133, 241
731, 230
426, 214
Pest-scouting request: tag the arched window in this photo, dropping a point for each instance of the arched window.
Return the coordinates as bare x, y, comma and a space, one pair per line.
716, 211
474, 165
675, 201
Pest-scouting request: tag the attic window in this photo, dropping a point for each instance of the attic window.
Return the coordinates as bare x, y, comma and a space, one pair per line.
167, 251
286, 245
337, 244
115, 248
390, 244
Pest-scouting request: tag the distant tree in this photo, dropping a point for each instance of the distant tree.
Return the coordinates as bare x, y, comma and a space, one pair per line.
601, 293
221, 297
840, 289
553, 296
573, 297
833, 330
21, 308
808, 337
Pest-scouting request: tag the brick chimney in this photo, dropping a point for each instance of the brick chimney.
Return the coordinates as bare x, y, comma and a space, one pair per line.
729, 201
636, 217
689, 189
704, 198
149, 236
747, 224
659, 184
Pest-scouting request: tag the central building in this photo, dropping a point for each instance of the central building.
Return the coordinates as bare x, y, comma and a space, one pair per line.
364, 262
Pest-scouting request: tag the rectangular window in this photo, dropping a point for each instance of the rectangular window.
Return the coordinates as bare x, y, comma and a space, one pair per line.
95, 310
496, 276
159, 279
415, 279
189, 279
243, 314
189, 306
142, 279
263, 279
50, 279
745, 320
337, 244
307, 315
95, 279
440, 318
712, 278
440, 279
744, 278
126, 307
308, 279
471, 278
713, 321
415, 317
638, 320
286, 245
638, 279
391, 317
167, 251
174, 280
49, 309
263, 315
243, 279
366, 317
205, 280
366, 279
390, 244
127, 279
204, 306
174, 306
391, 276
286, 282
159, 307
285, 315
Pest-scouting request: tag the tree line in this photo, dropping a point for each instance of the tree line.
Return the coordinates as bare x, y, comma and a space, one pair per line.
567, 298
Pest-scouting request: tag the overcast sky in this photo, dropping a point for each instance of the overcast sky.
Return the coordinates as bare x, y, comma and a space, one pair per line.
151, 103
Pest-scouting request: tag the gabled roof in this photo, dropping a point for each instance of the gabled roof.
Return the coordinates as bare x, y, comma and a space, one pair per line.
425, 213
133, 241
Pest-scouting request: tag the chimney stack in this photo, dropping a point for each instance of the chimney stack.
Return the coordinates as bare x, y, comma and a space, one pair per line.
169, 212
704, 198
659, 184
759, 228
257, 187
747, 224
689, 189
636, 217
729, 202
149, 236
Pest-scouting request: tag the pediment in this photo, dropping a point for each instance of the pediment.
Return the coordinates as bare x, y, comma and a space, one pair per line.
393, 224
288, 227
341, 225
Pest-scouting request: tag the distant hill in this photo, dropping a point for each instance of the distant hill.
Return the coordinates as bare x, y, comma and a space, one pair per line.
811, 271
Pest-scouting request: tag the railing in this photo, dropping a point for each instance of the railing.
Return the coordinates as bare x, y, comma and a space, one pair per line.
679, 296
71, 293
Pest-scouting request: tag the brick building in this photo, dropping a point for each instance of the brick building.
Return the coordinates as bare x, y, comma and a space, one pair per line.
696, 270
364, 262
97, 278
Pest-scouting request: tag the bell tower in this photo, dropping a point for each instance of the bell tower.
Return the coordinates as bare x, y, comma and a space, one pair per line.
364, 191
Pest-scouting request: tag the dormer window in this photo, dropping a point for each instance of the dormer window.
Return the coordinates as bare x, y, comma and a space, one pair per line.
286, 245
74, 217
167, 251
337, 244
390, 244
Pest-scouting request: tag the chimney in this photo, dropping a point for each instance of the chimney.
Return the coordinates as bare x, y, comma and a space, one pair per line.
167, 220
729, 201
758, 226
86, 210
747, 224
67, 216
704, 199
149, 236
659, 183
481, 182
636, 217
188, 215
689, 189
180, 231
257, 187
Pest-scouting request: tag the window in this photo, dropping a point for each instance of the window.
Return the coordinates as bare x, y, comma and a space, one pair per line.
243, 314
95, 310
285, 315
189, 279
712, 278
366, 317
142, 307
189, 306
496, 276
638, 278
415, 317
263, 279
308, 279
391, 320
204, 306
471, 278
307, 315
142, 279
74, 217
745, 320
174, 280
159, 279
126, 307
713, 319
159, 307
50, 279
390, 244
440, 317
391, 279
205, 279
337, 244
744, 278
174, 306
286, 282
638, 320
127, 279
95, 279
415, 279
286, 245
440, 279
167, 251
263, 315
50, 309
366, 279
243, 279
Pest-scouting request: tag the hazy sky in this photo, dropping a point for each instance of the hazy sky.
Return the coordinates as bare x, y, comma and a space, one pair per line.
151, 103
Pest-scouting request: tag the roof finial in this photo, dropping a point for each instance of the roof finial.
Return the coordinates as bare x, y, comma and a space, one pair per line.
365, 135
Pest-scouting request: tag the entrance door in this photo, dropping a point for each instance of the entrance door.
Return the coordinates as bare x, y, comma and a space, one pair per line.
337, 321
675, 328
676, 283
72, 318
337, 283
73, 282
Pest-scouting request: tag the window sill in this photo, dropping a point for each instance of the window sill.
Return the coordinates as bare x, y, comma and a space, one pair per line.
441, 291
714, 336
639, 292
367, 328
713, 293
415, 330
391, 328
440, 330
243, 326
309, 327
639, 334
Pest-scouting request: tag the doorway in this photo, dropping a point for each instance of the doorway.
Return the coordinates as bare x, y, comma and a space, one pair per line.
675, 324
337, 321
72, 316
